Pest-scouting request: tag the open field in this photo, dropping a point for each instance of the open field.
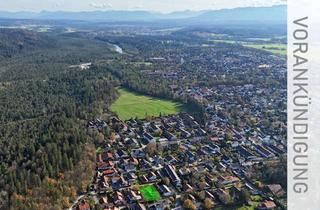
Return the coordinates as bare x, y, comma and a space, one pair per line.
131, 105
142, 63
150, 193
270, 47
226, 41
273, 48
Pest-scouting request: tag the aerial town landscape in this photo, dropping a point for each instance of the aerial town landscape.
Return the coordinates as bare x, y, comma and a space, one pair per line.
138, 115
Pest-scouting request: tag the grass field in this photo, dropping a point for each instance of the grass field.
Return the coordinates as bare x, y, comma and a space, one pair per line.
226, 41
142, 63
150, 193
131, 105
273, 48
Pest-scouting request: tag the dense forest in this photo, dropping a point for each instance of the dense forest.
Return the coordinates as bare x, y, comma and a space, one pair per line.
44, 104
45, 101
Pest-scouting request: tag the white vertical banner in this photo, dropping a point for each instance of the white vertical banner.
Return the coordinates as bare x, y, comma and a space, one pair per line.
303, 105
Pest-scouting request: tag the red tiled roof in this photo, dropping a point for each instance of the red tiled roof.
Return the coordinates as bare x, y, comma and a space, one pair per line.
276, 189
83, 205
267, 205
110, 171
99, 158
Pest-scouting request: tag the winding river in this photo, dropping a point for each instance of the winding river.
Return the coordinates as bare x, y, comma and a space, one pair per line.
117, 48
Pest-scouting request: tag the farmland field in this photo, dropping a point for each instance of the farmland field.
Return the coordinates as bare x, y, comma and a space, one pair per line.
150, 193
132, 105
270, 47
226, 41
273, 48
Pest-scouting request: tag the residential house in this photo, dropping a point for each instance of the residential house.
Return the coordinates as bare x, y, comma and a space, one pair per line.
121, 154
104, 165
165, 191
267, 205
225, 180
83, 205
275, 189
133, 196
172, 175
138, 206
109, 172
118, 199
103, 201
223, 196
131, 177
148, 137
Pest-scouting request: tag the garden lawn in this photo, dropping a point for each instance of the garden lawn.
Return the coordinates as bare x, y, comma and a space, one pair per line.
150, 193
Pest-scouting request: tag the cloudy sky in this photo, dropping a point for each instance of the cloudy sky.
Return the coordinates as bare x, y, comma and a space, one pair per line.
149, 5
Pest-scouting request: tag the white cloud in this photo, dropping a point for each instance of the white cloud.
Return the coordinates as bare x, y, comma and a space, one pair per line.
105, 5
138, 7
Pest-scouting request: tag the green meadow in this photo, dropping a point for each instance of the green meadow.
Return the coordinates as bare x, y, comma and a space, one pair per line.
132, 105
226, 41
270, 47
273, 48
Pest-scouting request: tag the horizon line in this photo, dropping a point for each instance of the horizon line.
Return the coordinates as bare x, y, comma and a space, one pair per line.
138, 10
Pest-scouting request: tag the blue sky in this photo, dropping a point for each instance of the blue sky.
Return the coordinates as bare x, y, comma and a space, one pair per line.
148, 5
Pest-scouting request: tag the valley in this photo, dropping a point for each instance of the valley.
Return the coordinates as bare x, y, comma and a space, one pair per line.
142, 115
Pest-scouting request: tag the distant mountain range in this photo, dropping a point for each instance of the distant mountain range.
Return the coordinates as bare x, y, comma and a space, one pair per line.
272, 15
275, 14
100, 15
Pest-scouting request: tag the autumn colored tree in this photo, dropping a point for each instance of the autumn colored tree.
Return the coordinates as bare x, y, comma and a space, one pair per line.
188, 204
208, 204
151, 148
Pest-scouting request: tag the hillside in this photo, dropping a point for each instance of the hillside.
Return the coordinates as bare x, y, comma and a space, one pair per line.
14, 41
45, 151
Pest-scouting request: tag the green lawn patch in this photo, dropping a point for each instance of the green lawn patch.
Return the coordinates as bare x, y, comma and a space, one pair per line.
132, 105
150, 193
99, 150
256, 198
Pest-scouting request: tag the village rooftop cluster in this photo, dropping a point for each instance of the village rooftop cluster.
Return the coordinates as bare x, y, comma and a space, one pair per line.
172, 162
